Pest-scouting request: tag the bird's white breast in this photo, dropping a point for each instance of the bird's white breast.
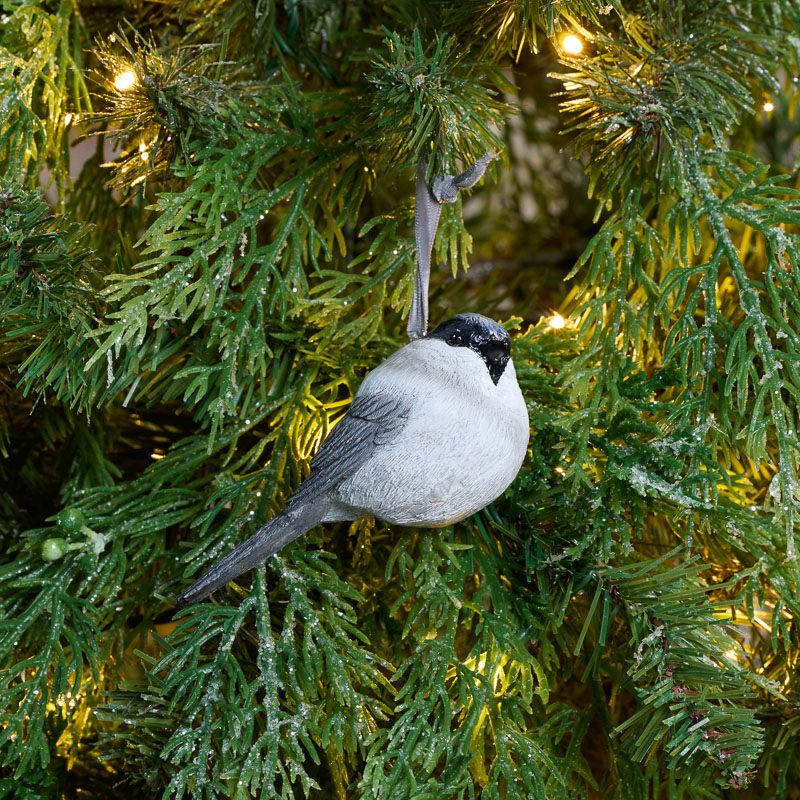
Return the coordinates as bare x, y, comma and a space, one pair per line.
463, 444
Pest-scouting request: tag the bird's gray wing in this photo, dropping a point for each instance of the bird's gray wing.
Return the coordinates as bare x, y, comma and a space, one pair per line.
374, 418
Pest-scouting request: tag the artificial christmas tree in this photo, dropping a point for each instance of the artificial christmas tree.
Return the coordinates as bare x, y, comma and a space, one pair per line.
193, 304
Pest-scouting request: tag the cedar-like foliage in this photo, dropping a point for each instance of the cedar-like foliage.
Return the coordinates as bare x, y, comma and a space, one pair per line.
195, 301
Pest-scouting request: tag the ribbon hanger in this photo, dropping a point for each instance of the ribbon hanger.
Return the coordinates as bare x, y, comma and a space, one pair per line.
426, 221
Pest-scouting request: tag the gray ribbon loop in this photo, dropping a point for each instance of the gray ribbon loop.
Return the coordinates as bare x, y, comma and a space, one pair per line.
426, 221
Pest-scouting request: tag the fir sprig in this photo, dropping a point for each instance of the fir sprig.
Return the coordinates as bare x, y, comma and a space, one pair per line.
153, 102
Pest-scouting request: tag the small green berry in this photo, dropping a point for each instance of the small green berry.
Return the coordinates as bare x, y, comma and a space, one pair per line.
53, 549
70, 520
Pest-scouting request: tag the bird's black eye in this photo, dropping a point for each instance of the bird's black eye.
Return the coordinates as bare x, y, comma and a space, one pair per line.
455, 340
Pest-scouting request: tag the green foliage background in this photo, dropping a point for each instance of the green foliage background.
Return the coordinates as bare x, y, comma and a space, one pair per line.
186, 314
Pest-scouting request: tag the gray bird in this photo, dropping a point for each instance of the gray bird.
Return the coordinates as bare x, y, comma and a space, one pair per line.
434, 433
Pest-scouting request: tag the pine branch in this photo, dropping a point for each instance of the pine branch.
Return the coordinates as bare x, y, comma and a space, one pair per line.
41, 63
436, 97
49, 298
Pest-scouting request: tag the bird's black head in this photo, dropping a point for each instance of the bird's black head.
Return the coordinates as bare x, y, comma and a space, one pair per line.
489, 339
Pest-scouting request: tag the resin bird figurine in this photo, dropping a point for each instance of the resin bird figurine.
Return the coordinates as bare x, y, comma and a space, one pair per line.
434, 434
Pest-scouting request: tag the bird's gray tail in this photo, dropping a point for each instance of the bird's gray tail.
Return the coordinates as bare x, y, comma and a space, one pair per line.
266, 541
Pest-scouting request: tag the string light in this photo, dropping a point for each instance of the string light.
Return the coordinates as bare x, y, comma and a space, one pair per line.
143, 153
768, 107
572, 44
556, 321
67, 119
125, 80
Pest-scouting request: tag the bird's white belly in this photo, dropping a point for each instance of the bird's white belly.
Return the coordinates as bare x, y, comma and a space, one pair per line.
453, 457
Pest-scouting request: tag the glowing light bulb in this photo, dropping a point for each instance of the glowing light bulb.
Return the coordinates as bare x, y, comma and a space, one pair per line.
768, 107
556, 321
144, 155
67, 119
125, 80
572, 44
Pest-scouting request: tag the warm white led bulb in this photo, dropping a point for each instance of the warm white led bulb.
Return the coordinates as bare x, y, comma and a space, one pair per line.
572, 44
125, 80
768, 106
556, 321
